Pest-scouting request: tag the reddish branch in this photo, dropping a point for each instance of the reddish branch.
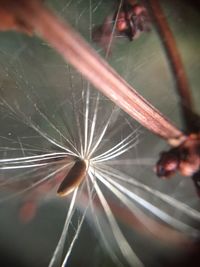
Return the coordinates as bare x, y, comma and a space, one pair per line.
33, 15
183, 88
186, 157
169, 43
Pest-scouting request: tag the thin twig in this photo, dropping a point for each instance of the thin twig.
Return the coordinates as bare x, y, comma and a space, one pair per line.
174, 57
79, 53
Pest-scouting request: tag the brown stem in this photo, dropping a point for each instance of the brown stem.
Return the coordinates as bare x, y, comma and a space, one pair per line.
169, 43
76, 51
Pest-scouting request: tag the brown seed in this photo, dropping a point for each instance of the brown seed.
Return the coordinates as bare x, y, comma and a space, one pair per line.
73, 179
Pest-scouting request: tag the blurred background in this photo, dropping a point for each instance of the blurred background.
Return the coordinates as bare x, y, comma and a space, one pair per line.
32, 73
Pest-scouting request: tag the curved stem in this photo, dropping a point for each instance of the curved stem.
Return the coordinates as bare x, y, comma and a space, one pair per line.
174, 57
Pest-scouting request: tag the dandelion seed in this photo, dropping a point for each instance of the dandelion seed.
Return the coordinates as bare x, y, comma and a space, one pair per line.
73, 178
83, 167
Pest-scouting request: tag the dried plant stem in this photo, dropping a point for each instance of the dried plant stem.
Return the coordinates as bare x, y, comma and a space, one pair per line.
169, 43
173, 54
76, 51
